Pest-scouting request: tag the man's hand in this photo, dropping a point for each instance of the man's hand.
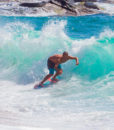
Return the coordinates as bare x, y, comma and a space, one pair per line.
77, 63
74, 58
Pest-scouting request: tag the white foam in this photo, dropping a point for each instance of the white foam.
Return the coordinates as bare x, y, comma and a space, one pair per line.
3, 127
73, 103
79, 45
106, 8
107, 33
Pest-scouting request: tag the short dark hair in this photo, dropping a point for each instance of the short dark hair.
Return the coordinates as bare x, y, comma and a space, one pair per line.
65, 52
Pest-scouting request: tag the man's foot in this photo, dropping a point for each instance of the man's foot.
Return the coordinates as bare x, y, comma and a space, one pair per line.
54, 80
38, 85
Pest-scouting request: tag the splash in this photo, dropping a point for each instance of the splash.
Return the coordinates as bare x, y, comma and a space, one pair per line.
25, 50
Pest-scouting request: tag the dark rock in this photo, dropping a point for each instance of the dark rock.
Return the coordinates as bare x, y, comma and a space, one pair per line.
64, 4
78, 0
85, 0
33, 4
91, 5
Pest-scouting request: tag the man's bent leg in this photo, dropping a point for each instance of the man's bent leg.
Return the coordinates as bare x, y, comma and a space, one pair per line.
45, 78
58, 72
51, 72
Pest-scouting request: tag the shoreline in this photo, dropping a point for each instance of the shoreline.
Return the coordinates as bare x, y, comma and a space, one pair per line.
23, 8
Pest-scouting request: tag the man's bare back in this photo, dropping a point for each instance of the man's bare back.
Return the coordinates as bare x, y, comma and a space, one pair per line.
58, 59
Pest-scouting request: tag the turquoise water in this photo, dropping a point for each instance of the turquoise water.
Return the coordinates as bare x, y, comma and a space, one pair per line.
25, 45
27, 42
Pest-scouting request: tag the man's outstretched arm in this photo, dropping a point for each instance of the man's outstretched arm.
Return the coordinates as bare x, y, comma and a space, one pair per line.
74, 58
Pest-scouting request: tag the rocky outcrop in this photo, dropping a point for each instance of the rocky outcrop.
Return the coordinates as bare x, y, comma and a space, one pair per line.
85, 0
64, 4
64, 8
33, 4
57, 7
91, 5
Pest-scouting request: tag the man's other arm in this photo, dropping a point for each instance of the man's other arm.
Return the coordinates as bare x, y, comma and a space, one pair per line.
74, 58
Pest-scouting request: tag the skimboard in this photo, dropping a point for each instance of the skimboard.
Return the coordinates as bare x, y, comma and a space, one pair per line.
48, 83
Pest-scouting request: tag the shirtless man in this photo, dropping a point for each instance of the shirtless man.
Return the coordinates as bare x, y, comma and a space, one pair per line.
54, 64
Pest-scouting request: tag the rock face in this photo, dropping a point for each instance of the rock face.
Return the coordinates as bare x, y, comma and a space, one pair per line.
91, 5
64, 8
107, 1
33, 4
85, 0
65, 5
58, 7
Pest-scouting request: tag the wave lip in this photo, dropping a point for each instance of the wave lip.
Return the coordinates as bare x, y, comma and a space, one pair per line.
93, 52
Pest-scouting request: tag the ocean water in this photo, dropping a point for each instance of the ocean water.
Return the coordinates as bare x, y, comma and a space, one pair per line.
84, 97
